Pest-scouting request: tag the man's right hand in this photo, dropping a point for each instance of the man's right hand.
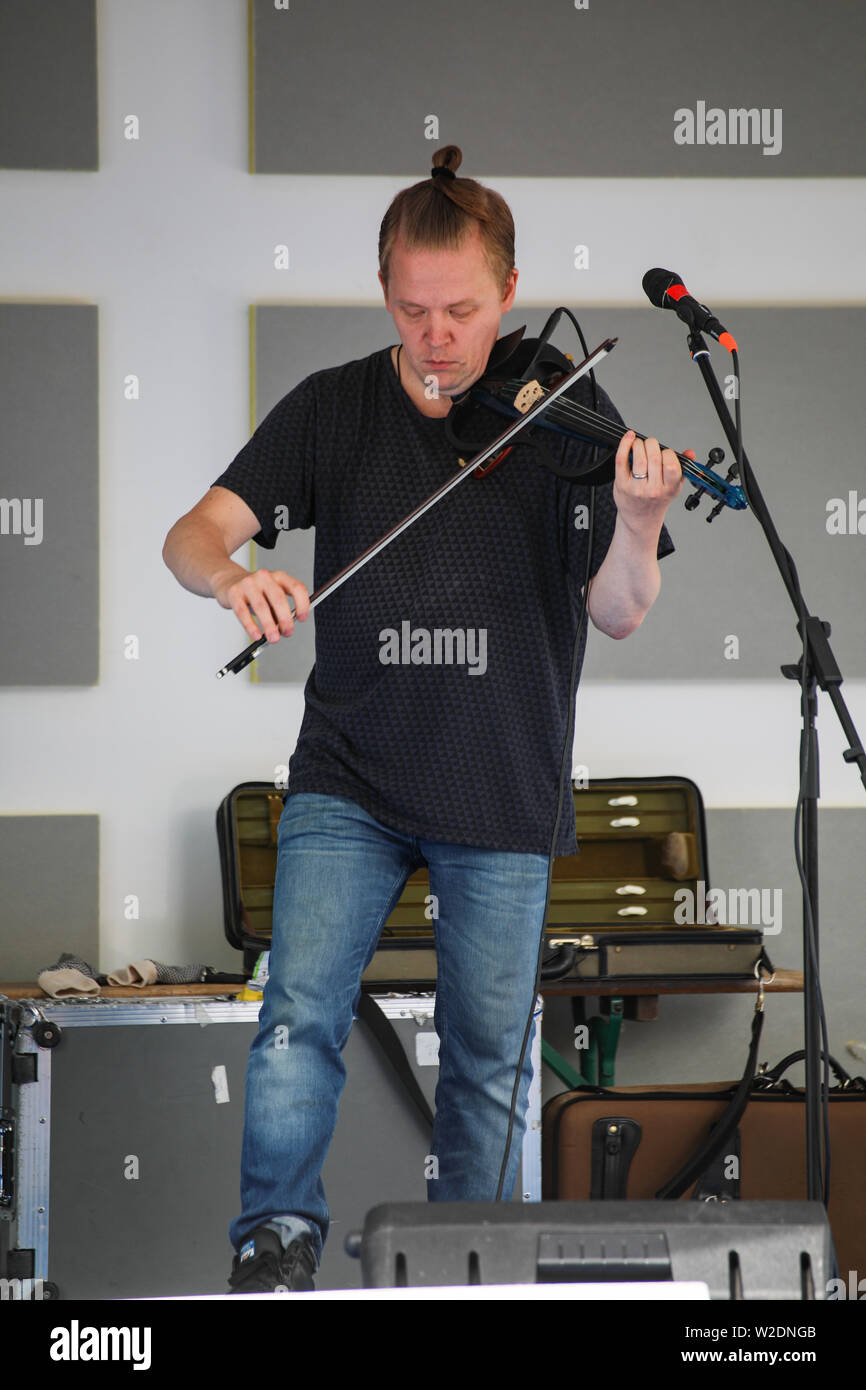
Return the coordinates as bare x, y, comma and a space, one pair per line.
261, 593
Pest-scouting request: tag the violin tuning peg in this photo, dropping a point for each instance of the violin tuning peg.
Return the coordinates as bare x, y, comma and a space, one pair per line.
716, 509
694, 500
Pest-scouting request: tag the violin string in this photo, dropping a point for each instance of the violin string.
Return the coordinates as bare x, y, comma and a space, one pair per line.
609, 432
571, 411
601, 429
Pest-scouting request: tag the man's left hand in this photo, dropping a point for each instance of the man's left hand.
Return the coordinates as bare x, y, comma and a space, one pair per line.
645, 487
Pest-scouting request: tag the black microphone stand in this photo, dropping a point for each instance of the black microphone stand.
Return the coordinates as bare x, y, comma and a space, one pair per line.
817, 666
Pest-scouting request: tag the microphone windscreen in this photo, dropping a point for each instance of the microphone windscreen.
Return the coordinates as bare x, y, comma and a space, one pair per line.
656, 283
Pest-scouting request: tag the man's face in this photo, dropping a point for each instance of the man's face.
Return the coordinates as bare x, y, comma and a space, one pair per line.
446, 306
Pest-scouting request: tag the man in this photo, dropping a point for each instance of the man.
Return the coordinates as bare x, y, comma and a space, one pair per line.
404, 760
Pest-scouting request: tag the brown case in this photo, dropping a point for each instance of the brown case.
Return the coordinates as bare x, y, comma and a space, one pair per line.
628, 1142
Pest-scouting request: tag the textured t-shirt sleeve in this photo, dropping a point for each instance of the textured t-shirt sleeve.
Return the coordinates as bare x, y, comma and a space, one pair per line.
274, 472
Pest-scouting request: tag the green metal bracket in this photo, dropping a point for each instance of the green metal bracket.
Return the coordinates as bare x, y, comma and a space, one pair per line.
605, 1031
558, 1064
598, 1057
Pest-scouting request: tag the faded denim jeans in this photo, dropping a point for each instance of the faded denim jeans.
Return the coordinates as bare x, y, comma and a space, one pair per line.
339, 875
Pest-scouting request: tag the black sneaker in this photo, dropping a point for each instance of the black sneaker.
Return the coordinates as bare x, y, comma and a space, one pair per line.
263, 1266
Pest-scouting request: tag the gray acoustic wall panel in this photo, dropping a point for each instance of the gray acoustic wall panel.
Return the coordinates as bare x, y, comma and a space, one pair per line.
49, 481
49, 871
722, 613
616, 88
48, 85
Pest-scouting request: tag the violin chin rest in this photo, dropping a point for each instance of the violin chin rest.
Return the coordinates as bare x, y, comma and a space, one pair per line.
503, 348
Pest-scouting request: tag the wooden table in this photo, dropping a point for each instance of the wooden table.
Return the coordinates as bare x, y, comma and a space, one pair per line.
638, 1001
32, 991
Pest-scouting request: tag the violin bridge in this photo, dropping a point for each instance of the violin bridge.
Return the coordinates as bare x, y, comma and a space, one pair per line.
527, 396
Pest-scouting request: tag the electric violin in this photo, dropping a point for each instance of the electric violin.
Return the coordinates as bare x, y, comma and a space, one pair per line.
519, 373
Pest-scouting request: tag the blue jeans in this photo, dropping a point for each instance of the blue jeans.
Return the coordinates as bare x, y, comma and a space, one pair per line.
339, 875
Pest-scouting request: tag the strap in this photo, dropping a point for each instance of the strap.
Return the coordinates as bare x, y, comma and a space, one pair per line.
714, 1185
722, 1131
386, 1035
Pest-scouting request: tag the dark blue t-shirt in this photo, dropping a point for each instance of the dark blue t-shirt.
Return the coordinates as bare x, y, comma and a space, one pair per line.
439, 697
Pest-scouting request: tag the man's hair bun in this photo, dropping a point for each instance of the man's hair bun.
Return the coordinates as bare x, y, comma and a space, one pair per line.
448, 160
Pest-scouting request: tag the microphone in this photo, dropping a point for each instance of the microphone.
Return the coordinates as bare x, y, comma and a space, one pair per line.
665, 290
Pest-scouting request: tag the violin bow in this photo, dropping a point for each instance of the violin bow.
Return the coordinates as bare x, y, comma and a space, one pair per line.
466, 471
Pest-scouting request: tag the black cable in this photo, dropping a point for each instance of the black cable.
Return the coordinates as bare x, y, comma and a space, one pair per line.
566, 757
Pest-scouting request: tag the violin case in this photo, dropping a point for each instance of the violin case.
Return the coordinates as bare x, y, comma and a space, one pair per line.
614, 907
633, 1142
